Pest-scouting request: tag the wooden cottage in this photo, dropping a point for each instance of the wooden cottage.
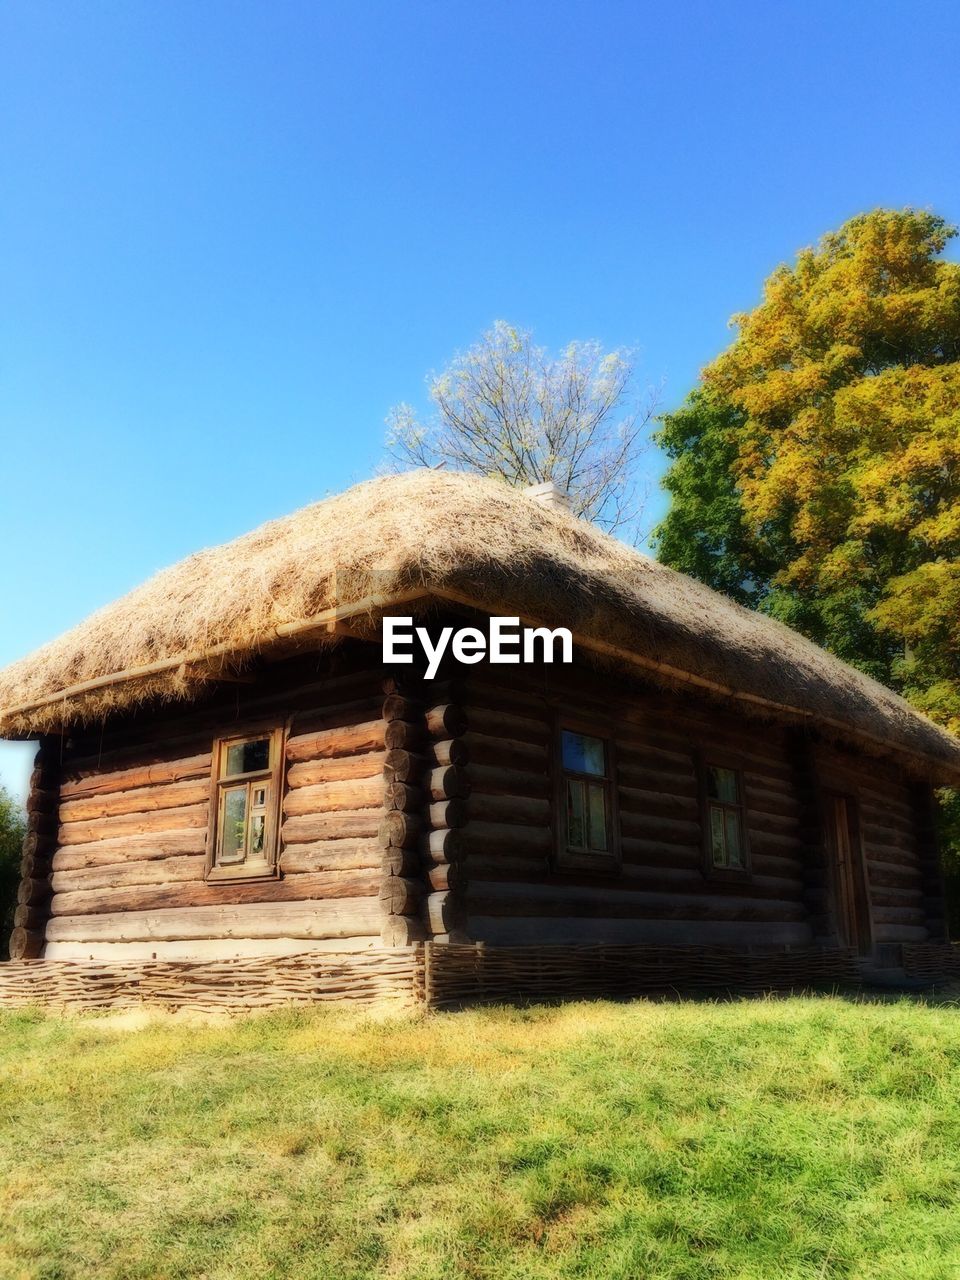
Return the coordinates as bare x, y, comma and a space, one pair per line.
234, 794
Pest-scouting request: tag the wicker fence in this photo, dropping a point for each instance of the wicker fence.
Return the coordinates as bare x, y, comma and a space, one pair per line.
478, 974
931, 961
260, 982
438, 975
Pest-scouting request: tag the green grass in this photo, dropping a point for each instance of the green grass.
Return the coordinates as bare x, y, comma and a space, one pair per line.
779, 1138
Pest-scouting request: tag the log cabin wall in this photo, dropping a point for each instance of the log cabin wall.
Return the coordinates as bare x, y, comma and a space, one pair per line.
661, 893
127, 874
427, 811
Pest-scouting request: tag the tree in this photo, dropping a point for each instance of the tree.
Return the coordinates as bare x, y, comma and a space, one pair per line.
12, 828
816, 470
506, 408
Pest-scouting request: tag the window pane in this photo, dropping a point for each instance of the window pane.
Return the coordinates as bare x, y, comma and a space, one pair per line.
722, 785
575, 815
257, 827
734, 840
582, 754
233, 835
247, 757
717, 850
597, 807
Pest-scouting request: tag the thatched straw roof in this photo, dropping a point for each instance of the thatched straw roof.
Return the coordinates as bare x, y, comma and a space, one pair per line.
464, 537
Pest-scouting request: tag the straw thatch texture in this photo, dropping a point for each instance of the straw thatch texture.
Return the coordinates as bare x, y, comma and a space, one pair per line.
445, 531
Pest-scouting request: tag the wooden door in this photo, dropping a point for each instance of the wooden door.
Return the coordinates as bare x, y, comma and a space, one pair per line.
849, 874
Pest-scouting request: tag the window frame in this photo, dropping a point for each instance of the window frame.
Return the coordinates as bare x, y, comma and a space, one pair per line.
566, 859
269, 868
712, 870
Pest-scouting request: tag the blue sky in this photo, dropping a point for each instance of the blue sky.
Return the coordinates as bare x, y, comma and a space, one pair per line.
232, 235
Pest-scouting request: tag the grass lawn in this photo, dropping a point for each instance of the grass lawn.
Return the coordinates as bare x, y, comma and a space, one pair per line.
776, 1138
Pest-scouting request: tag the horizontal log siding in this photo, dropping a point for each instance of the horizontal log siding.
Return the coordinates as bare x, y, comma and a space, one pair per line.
660, 894
128, 869
891, 836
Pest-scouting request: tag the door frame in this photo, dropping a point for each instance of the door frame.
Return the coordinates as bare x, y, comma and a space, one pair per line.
850, 882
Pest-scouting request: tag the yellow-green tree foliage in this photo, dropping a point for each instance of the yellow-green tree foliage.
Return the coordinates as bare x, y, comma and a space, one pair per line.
832, 425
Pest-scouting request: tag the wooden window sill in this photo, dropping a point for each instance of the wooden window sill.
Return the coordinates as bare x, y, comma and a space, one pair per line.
602, 863
230, 875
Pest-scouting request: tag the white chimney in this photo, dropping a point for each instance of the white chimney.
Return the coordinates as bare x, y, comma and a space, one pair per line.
549, 495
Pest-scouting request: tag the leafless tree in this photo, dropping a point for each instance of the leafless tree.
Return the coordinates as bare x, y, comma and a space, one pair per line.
506, 408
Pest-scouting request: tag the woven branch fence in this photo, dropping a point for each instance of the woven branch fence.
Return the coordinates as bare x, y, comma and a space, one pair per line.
931, 961
211, 986
431, 974
467, 974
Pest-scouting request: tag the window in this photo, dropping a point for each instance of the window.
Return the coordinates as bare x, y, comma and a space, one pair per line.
726, 842
244, 806
587, 829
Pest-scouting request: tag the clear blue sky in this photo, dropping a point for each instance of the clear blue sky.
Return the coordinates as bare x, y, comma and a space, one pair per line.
233, 234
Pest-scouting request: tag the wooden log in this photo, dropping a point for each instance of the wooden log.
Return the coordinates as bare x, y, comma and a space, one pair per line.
400, 862
42, 825
367, 764
499, 835
27, 916
659, 803
401, 735
35, 843
654, 827
103, 782
41, 801
139, 800
401, 795
310, 827
399, 896
332, 797
35, 866
400, 830
448, 813
447, 875
442, 912
171, 872
320, 885
401, 931
403, 766
446, 845
490, 897
310, 719
161, 844
133, 824
647, 778
26, 944
570, 930
521, 810
331, 855
495, 780
331, 918
397, 707
448, 720
345, 740
446, 751
33, 892
507, 727
449, 782
489, 749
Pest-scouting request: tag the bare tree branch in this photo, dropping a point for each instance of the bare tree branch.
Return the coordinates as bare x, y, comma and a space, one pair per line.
505, 408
